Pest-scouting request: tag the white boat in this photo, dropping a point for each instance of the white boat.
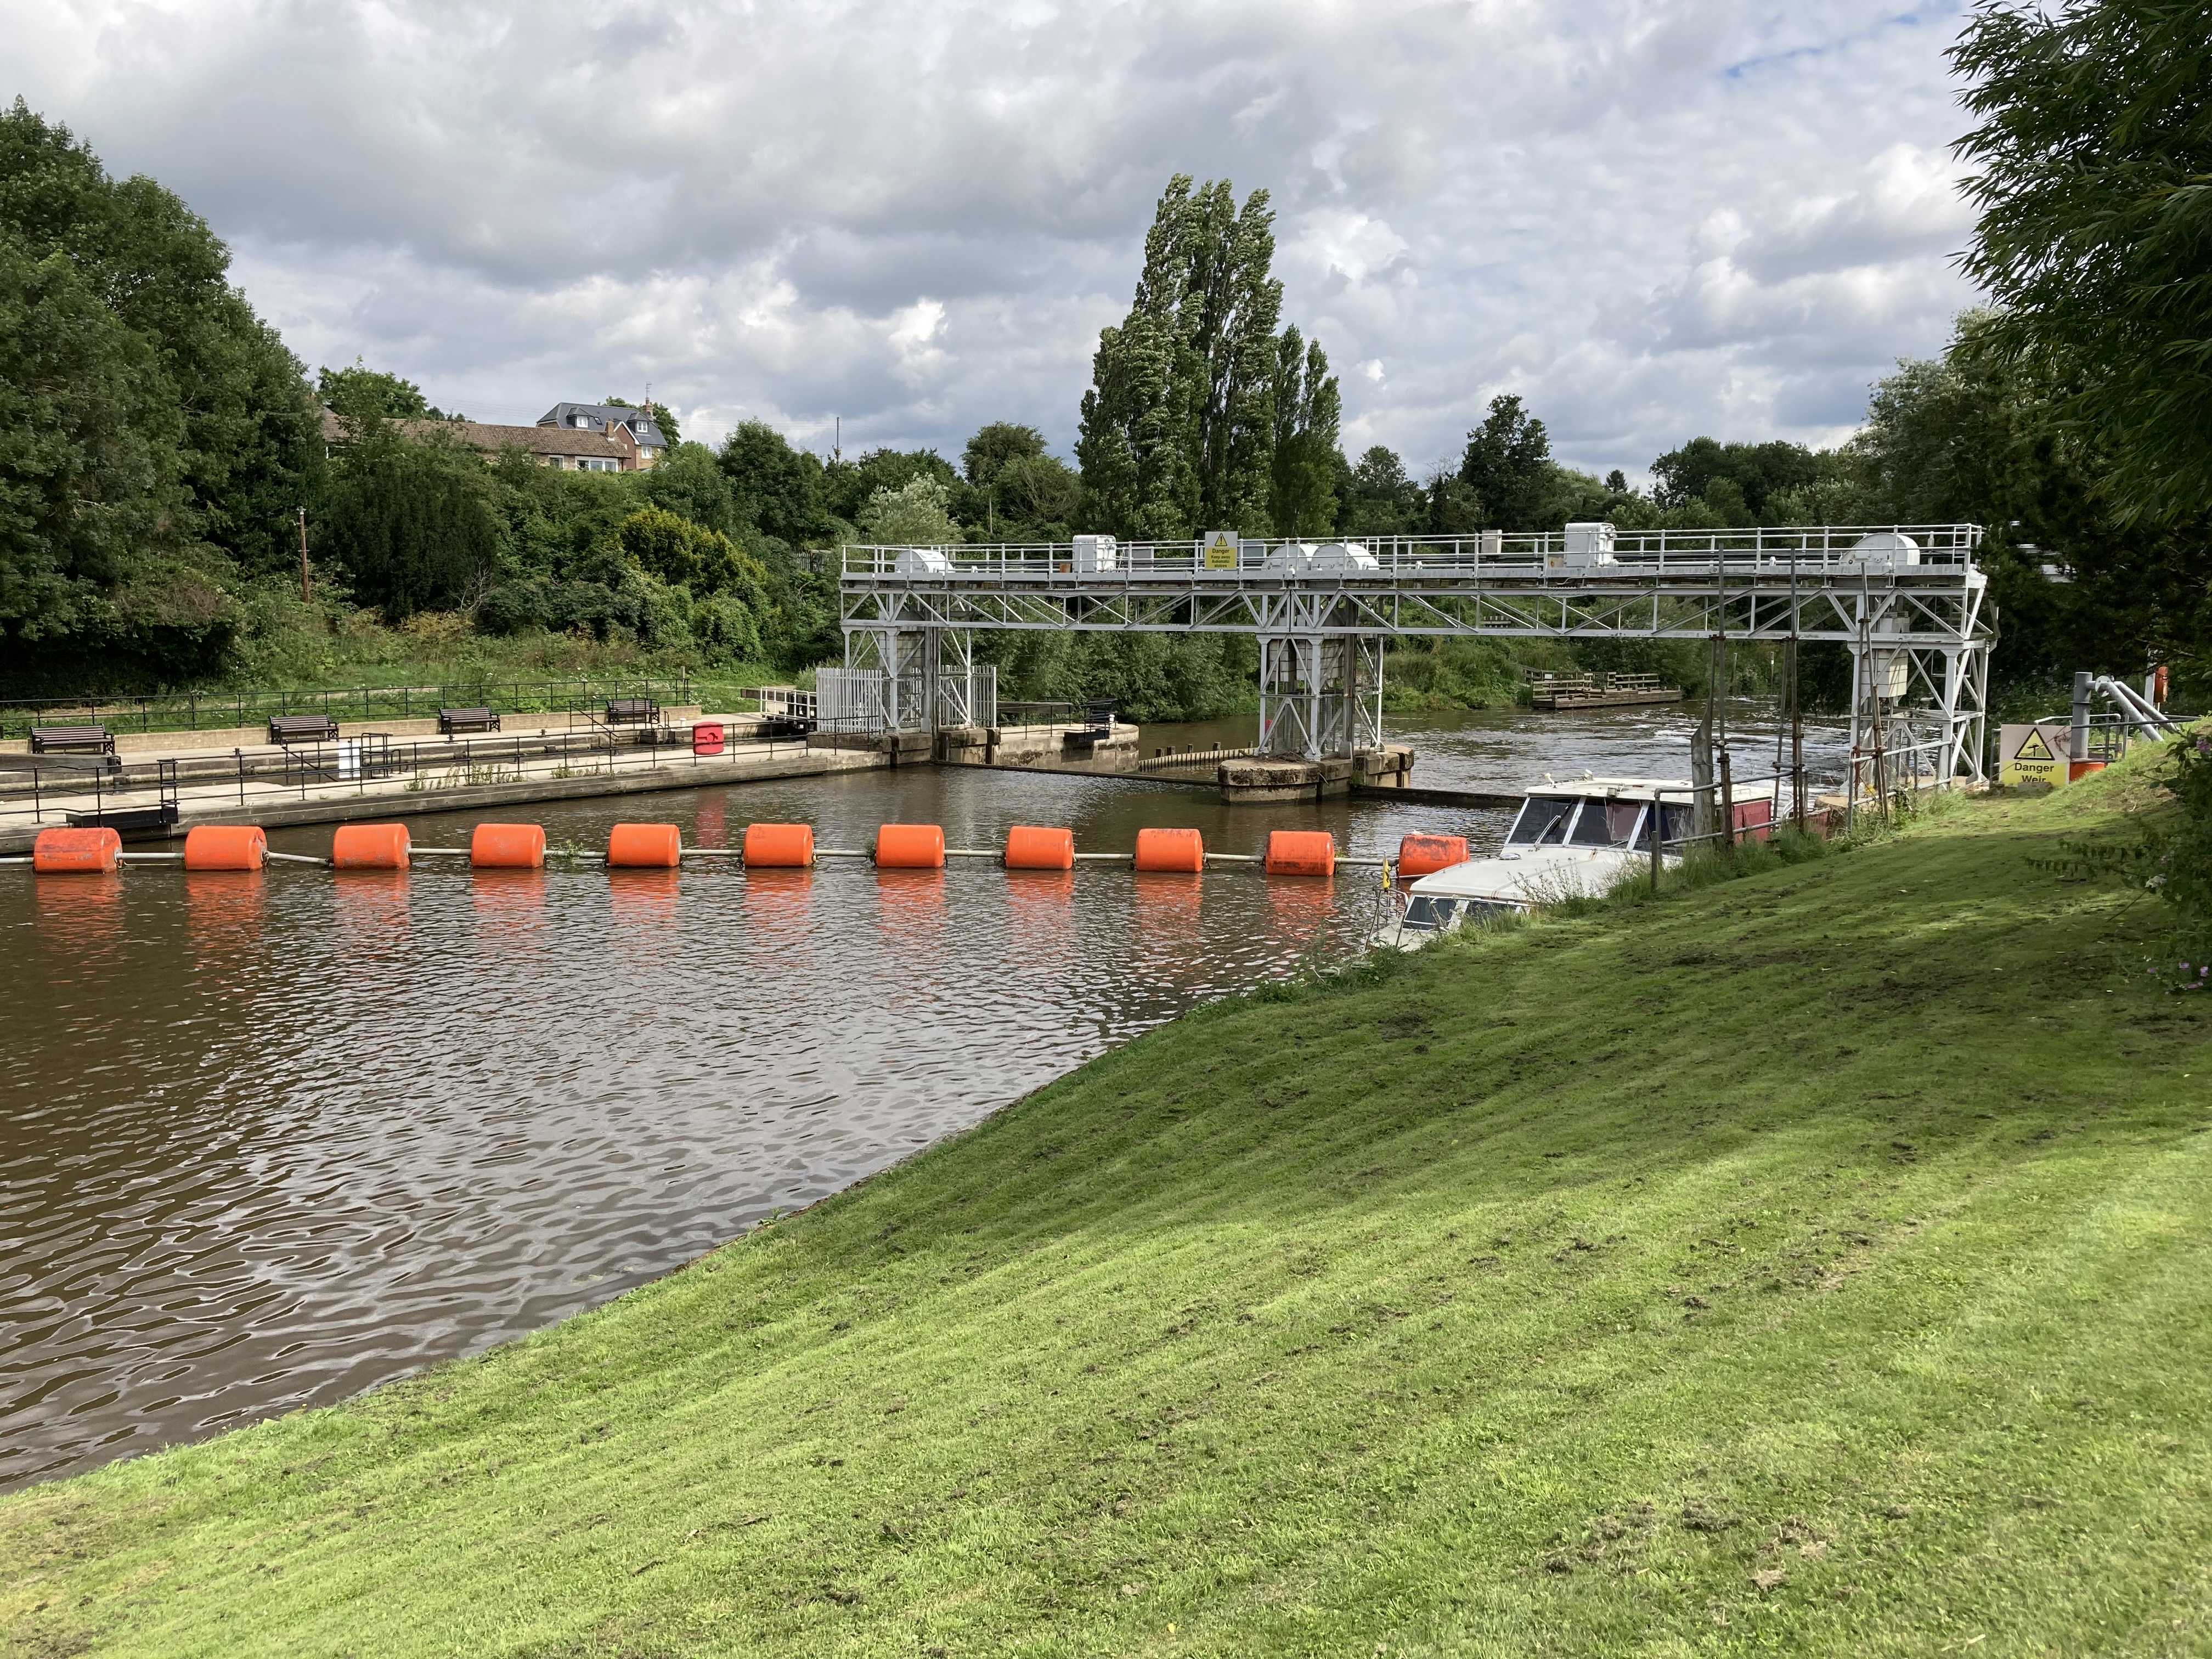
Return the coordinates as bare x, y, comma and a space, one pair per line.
1571, 840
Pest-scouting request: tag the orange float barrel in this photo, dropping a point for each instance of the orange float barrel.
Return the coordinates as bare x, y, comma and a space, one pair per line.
1181, 851
75, 852
1300, 853
644, 847
910, 847
226, 846
1423, 855
779, 845
507, 846
1029, 848
370, 846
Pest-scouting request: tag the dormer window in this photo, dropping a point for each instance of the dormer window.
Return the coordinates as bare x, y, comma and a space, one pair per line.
584, 421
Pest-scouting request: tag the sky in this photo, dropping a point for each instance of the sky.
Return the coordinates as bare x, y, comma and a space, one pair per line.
1652, 219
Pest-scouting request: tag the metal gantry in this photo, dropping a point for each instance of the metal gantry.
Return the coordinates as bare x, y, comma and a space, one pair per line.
1907, 601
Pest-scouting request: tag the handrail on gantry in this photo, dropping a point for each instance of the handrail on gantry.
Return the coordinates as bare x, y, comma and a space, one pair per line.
1809, 550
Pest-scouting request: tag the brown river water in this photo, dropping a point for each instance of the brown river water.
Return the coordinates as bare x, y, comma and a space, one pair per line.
268, 1140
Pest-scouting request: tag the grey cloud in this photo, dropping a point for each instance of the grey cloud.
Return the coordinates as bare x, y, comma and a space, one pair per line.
1651, 217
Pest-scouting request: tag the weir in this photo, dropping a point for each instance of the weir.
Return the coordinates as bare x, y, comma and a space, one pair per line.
1906, 601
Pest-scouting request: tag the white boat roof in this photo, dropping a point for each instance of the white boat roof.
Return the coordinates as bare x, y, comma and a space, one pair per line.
1678, 790
1591, 788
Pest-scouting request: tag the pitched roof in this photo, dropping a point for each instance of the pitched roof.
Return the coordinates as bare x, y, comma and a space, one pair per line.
601, 416
573, 442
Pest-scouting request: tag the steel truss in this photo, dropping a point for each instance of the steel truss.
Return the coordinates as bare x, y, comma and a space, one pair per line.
1919, 633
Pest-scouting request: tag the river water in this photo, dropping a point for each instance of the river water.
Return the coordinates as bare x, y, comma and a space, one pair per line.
267, 1140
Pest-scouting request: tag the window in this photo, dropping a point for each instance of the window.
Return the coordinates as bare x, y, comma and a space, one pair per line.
1427, 914
1542, 821
584, 421
1591, 829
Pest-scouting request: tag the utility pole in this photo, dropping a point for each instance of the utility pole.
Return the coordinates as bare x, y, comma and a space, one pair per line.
307, 592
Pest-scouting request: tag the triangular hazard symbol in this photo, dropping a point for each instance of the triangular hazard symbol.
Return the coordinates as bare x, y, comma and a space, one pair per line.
2035, 749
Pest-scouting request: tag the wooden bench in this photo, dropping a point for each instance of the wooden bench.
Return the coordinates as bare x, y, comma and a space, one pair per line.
72, 741
451, 721
633, 711
289, 729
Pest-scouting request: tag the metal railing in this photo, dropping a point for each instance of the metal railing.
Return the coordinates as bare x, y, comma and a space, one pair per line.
1637, 553
410, 774
197, 711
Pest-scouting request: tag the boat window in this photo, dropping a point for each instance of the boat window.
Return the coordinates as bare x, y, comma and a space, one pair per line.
1425, 911
1543, 821
1674, 824
1590, 829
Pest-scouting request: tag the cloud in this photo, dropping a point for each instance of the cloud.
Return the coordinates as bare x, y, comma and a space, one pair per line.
1652, 218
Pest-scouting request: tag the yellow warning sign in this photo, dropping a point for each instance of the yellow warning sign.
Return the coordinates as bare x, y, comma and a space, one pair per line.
2031, 754
1217, 549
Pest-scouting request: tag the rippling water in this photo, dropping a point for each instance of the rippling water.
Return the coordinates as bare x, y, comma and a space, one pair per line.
270, 1139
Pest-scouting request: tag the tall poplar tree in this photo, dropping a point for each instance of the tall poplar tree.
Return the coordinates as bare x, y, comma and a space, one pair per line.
1307, 411
1177, 432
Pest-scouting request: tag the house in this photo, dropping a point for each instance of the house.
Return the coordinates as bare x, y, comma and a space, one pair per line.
617, 421
613, 449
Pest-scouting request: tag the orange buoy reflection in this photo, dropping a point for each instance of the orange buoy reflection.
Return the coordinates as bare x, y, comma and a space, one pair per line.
372, 912
910, 908
643, 902
1040, 918
510, 906
779, 905
80, 917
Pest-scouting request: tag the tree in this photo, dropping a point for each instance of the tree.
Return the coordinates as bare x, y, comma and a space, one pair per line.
777, 487
1177, 428
2095, 182
993, 446
1380, 499
205, 433
362, 393
686, 481
1737, 480
1508, 466
1307, 411
414, 523
848, 486
1039, 494
913, 515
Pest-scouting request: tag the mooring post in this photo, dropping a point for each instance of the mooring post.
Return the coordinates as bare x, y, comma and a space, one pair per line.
1727, 805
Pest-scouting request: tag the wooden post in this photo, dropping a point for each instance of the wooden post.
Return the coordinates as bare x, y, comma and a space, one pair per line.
307, 592
1727, 805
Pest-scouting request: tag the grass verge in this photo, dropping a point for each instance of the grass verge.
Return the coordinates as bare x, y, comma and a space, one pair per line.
1812, 1261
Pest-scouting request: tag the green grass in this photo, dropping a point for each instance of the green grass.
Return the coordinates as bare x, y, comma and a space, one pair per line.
1814, 1261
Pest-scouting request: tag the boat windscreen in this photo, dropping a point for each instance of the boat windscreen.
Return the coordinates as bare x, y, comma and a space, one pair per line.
1608, 824
1543, 821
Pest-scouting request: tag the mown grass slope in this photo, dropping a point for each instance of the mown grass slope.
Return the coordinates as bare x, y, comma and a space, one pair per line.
1814, 1262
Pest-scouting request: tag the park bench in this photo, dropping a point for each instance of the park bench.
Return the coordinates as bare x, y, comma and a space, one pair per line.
451, 721
72, 741
288, 729
632, 711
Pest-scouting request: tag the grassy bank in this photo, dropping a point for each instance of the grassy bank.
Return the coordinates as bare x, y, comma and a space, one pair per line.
1814, 1261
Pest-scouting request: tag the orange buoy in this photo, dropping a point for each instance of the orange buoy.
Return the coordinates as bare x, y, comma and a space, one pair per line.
1422, 855
75, 852
507, 846
1300, 853
370, 846
1031, 848
910, 847
779, 845
1180, 851
226, 846
644, 847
